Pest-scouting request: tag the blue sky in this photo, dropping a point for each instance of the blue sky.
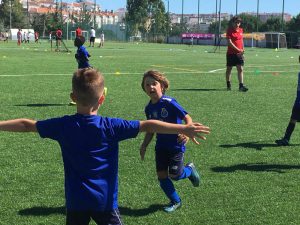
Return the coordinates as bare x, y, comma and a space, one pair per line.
209, 6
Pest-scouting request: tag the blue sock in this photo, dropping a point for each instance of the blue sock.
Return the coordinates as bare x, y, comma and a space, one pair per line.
187, 171
169, 189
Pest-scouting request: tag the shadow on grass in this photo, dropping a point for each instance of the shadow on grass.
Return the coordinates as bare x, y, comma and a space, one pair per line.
255, 167
254, 145
196, 89
42, 211
140, 212
46, 211
42, 105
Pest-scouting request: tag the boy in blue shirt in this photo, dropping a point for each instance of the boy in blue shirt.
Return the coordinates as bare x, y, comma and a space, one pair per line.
295, 117
89, 146
82, 55
169, 148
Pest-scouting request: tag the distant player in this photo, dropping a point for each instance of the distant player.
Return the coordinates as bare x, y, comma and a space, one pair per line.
78, 32
92, 37
36, 37
58, 35
295, 117
101, 40
235, 52
82, 55
19, 36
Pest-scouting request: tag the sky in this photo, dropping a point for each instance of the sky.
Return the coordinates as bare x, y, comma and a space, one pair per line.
209, 6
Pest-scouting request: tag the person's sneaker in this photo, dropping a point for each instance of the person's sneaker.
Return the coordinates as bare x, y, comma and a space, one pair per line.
282, 142
72, 103
243, 89
228, 88
172, 207
195, 177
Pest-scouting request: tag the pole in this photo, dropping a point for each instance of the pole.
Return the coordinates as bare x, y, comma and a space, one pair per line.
236, 7
27, 14
219, 31
10, 15
282, 16
257, 15
95, 14
168, 29
198, 15
216, 32
182, 15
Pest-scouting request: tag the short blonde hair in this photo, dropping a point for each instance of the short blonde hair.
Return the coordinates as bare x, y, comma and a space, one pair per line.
158, 76
87, 86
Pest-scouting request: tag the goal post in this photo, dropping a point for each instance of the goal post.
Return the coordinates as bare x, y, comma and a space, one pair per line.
269, 40
84, 34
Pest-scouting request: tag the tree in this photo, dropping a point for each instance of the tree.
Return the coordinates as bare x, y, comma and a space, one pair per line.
272, 24
146, 16
294, 24
17, 13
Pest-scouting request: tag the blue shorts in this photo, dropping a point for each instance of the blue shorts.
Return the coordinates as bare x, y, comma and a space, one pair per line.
169, 160
101, 218
295, 113
234, 60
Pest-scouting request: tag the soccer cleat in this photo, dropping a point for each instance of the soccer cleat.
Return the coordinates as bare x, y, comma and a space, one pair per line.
172, 207
72, 103
228, 88
282, 142
195, 177
243, 89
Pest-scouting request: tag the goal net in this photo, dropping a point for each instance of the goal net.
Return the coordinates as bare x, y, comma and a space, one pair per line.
269, 40
84, 34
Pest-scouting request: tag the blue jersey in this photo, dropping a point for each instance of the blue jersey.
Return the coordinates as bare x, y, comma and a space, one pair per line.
168, 110
297, 101
82, 57
89, 146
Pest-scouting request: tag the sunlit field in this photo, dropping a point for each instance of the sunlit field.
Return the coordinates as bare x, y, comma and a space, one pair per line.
246, 178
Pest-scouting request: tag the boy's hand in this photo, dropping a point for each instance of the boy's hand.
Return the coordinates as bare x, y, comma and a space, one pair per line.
142, 152
194, 130
182, 139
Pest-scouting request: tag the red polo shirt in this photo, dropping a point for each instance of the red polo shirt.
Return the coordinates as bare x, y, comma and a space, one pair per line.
236, 36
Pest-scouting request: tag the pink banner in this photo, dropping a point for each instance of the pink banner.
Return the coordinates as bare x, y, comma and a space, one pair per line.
200, 36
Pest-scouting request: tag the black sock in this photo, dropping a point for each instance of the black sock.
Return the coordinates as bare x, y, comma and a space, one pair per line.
228, 84
289, 130
241, 85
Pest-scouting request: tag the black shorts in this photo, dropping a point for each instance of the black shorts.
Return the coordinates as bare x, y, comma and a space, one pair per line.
170, 161
92, 39
58, 38
234, 60
101, 218
295, 113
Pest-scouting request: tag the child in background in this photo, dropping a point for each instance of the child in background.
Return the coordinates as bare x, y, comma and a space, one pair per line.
295, 117
82, 55
89, 145
170, 148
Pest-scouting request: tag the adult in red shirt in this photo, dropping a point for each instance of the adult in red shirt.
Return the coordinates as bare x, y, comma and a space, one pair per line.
78, 32
58, 35
235, 52
19, 36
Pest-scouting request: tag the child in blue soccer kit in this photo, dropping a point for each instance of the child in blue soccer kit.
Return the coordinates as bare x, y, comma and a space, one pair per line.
82, 56
295, 117
169, 148
89, 146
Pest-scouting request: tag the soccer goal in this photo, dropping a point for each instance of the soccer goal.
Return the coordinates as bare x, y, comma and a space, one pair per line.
269, 40
85, 34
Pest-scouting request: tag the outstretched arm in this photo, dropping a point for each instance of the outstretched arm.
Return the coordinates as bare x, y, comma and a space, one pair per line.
191, 130
182, 139
18, 125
